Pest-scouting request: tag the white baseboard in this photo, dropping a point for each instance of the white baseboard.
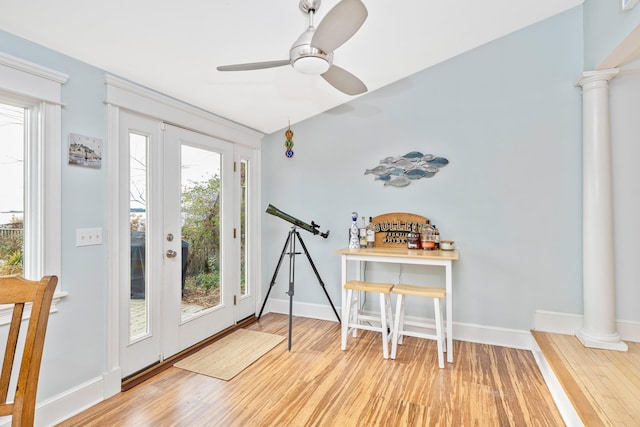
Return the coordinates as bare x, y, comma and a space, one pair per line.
564, 405
313, 311
568, 324
63, 406
514, 338
112, 383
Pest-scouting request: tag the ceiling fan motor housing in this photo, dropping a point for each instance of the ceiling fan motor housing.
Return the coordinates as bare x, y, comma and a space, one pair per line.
308, 59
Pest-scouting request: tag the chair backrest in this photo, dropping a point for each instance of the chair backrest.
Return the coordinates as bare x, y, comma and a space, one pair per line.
18, 291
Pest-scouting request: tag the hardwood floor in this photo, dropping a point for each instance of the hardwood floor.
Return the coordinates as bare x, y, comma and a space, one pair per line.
602, 385
318, 384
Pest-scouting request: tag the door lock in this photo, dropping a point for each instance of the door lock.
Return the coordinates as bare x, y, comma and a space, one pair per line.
171, 253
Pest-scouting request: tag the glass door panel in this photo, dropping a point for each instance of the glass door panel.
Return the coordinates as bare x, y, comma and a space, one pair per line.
245, 247
139, 304
244, 217
138, 153
200, 216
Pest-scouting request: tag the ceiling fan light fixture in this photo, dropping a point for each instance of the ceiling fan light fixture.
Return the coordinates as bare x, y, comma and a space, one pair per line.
311, 65
312, 52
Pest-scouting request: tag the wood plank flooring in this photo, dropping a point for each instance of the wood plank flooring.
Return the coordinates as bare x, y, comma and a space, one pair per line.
318, 384
602, 385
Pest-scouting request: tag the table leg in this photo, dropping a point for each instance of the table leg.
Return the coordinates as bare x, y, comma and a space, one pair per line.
449, 298
344, 280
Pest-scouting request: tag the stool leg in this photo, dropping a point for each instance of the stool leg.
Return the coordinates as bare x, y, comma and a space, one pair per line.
355, 311
439, 331
384, 327
389, 314
401, 329
396, 327
389, 310
346, 318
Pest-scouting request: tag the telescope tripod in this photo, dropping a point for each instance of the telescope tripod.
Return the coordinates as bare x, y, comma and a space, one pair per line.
290, 243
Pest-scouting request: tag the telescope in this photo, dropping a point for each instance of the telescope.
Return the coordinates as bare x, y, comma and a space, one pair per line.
289, 248
311, 228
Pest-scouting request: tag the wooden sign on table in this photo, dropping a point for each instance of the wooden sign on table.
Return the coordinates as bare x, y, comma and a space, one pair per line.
392, 228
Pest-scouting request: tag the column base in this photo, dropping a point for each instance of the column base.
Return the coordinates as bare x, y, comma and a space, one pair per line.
602, 341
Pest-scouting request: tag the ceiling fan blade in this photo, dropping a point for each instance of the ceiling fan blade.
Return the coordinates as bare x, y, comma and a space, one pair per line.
339, 25
344, 81
253, 65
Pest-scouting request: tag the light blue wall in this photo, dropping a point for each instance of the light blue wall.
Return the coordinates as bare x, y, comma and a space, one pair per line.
606, 25
75, 348
508, 117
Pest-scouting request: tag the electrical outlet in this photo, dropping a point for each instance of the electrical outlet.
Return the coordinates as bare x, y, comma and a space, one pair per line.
88, 236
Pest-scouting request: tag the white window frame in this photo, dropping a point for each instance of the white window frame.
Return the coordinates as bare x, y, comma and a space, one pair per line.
38, 90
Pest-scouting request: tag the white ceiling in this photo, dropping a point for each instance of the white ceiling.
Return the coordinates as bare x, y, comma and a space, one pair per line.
174, 46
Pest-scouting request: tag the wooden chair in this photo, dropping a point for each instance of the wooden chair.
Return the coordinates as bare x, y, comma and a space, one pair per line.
399, 330
18, 291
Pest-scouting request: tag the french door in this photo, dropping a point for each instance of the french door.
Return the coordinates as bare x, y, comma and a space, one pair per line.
184, 233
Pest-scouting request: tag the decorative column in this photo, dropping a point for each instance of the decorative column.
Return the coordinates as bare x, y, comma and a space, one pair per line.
599, 321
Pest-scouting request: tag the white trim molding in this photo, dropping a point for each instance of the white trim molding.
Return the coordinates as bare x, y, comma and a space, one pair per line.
514, 338
568, 324
38, 89
28, 79
565, 407
135, 98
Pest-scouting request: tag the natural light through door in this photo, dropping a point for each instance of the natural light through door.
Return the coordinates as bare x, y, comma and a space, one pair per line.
139, 305
200, 216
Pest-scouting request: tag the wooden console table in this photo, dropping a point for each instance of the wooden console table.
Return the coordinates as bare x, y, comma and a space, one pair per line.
405, 256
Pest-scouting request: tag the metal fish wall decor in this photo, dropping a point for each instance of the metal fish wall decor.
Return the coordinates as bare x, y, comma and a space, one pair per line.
402, 170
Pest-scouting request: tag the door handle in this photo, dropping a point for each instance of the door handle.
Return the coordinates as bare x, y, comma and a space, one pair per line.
171, 253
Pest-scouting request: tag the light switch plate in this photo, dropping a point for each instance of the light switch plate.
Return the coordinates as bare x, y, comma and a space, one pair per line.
88, 236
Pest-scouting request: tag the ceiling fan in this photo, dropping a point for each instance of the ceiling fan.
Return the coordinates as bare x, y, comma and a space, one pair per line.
312, 53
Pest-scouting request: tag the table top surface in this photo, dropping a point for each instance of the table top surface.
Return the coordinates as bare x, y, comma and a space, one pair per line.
401, 253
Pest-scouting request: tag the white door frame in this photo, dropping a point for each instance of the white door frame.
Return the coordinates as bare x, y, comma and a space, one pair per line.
128, 96
246, 305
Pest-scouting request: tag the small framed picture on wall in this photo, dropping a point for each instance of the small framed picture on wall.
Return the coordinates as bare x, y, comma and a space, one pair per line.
85, 151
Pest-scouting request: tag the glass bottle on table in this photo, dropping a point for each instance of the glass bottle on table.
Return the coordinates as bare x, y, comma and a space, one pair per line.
354, 241
371, 234
363, 234
413, 239
436, 237
427, 238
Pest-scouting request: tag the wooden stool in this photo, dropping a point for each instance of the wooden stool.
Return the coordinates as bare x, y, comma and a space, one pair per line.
352, 316
438, 295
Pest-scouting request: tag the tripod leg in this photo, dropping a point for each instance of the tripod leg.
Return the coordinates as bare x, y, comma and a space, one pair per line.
315, 270
290, 319
275, 274
292, 278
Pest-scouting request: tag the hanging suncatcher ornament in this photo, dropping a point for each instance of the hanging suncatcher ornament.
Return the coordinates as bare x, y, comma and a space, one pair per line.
289, 142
